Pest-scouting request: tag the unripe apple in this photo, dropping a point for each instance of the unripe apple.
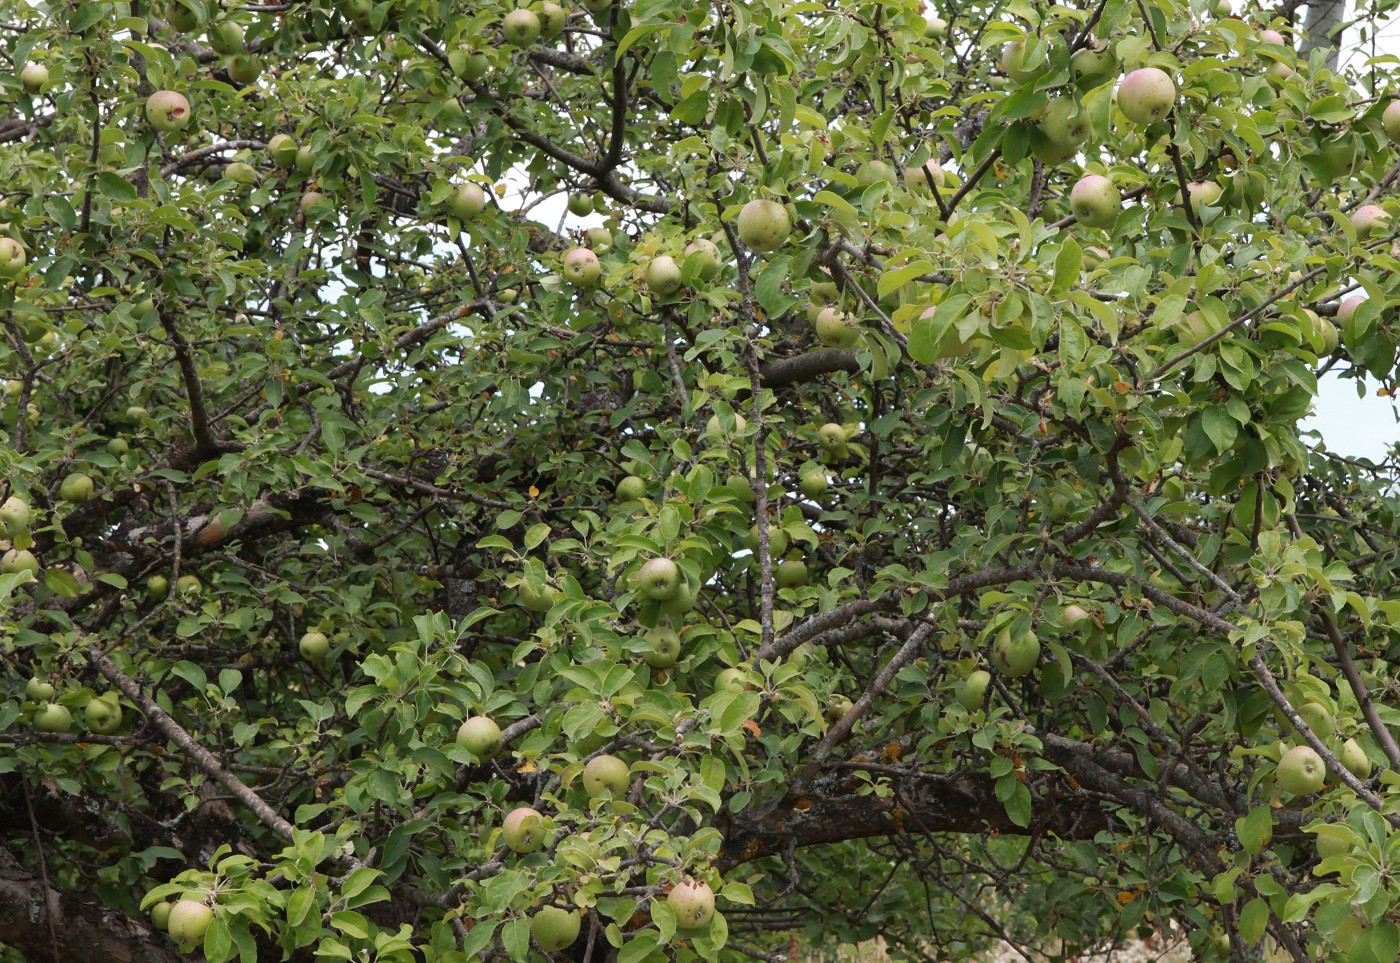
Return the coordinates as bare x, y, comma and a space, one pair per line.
314, 646
1015, 656
581, 268
682, 602
523, 830
181, 17
471, 65
18, 560
160, 915
521, 28
714, 428
599, 238
1273, 37
790, 573
226, 37
742, 487
972, 694
926, 177
467, 201
1369, 219
1073, 615
188, 921
76, 488
38, 689
305, 161
1222, 8
831, 436
157, 586
33, 77
693, 903
554, 928
1064, 123
241, 173
605, 774
244, 68
168, 111
824, 292
313, 203
552, 18
813, 484
536, 601
935, 27
876, 172
1095, 201
764, 225
707, 257
659, 578
837, 707
837, 329
480, 736
580, 205
1146, 95
11, 257
663, 647
631, 488
663, 275
1390, 120
188, 585
53, 717
14, 516
1095, 60
103, 715
731, 680
1319, 720
1013, 63
1355, 760
282, 149
1300, 771
777, 540
1203, 192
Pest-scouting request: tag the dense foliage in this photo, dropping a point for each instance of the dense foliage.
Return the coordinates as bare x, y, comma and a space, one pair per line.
1009, 602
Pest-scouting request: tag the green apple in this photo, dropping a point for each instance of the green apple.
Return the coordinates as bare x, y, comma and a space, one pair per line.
554, 928
876, 172
471, 65
1064, 123
1095, 201
14, 516
663, 647
813, 484
160, 914
1073, 615
553, 18
663, 275
631, 489
38, 689
972, 694
168, 111
1390, 120
599, 238
536, 601
11, 257
582, 268
682, 602
188, 585
1095, 60
76, 488
523, 830
777, 540
832, 437
1300, 771
764, 225
181, 17
467, 201
926, 177
188, 921
314, 646
731, 680
53, 717
837, 707
791, 573
659, 578
605, 774
935, 27
1015, 656
1146, 95
305, 160
707, 257
521, 27
714, 428
837, 329
283, 150
19, 560
242, 173
741, 487
33, 77
693, 903
1013, 63
244, 68
157, 586
103, 714
1355, 760
1319, 720
226, 37
480, 736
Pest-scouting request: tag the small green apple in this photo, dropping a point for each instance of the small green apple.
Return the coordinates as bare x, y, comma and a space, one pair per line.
103, 714
693, 903
521, 27
481, 736
837, 329
157, 586
554, 928
188, 921
663, 275
605, 774
813, 484
731, 680
1146, 95
76, 488
707, 257
1355, 760
582, 268
53, 717
791, 573
14, 516
38, 689
226, 37
19, 560
553, 18
972, 694
1095, 201
1015, 656
1370, 219
663, 647
659, 578
11, 257
314, 646
34, 77
168, 111
631, 489
523, 830
467, 201
244, 68
160, 915
764, 225
1300, 771
283, 150
1072, 615
777, 540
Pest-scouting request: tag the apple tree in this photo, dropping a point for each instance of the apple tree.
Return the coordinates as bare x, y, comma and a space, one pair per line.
664, 480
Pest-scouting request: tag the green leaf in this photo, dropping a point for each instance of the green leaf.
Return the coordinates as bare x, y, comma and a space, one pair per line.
1255, 829
927, 334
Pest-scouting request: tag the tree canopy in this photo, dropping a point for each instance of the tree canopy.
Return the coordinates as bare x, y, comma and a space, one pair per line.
671, 480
